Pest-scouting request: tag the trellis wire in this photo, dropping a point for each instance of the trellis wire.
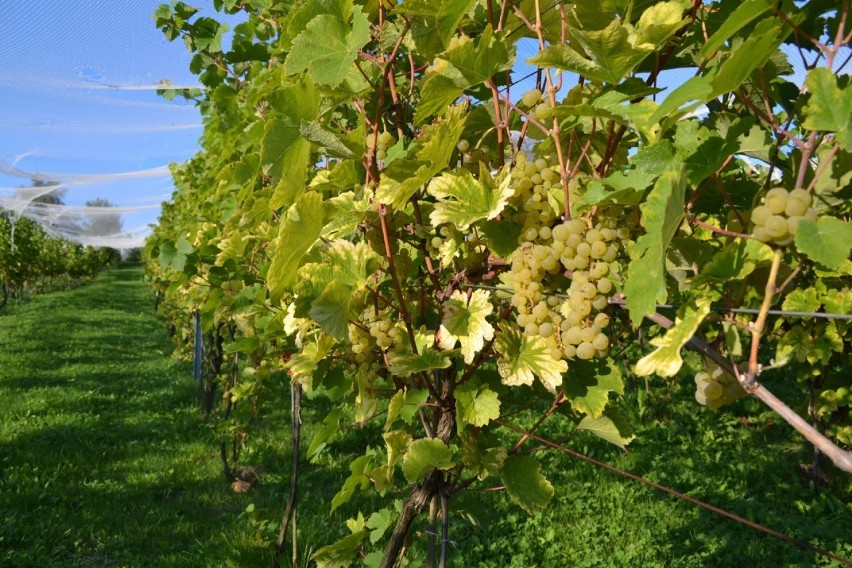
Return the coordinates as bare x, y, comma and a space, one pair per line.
757, 526
617, 301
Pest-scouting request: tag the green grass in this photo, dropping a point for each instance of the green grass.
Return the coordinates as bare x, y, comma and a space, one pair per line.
104, 458
106, 461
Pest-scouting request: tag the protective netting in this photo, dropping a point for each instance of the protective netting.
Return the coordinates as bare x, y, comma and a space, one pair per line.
81, 121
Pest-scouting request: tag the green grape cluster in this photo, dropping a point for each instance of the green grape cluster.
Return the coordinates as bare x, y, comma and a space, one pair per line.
376, 333
385, 141
572, 327
777, 219
538, 105
532, 180
715, 387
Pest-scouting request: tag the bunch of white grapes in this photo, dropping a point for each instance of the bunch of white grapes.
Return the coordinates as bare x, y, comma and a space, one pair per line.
379, 334
777, 220
532, 181
715, 387
385, 141
539, 107
572, 326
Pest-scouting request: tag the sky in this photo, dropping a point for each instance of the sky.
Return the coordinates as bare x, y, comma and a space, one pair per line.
77, 96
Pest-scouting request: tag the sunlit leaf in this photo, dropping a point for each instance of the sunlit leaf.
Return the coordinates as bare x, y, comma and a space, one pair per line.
423, 456
666, 360
523, 358
465, 322
827, 240
476, 406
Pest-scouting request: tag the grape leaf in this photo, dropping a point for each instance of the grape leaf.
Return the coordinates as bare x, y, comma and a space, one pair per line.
523, 358
479, 59
173, 254
611, 426
396, 403
665, 360
423, 456
327, 47
502, 238
296, 235
736, 261
404, 177
326, 432
826, 240
802, 300
482, 453
746, 12
475, 406
465, 322
433, 22
425, 360
395, 443
341, 553
331, 309
661, 215
438, 92
525, 484
379, 522
829, 107
317, 133
589, 383
464, 200
358, 478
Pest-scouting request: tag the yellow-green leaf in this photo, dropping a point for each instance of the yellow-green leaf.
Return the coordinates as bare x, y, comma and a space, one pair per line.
665, 360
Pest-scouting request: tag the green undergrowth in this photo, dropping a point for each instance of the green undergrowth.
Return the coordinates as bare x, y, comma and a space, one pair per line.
105, 460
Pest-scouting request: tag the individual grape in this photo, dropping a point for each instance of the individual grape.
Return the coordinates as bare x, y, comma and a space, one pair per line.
601, 320
604, 286
601, 342
586, 351
760, 214
760, 234
600, 302
801, 195
463, 145
531, 98
713, 390
776, 227
776, 200
796, 206
793, 224
588, 334
598, 249
531, 329
545, 330
573, 336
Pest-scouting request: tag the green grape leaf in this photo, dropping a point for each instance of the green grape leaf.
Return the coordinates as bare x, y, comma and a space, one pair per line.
340, 554
523, 358
589, 383
746, 12
379, 522
736, 261
464, 200
475, 406
829, 107
465, 322
525, 484
395, 442
423, 456
425, 360
560, 56
665, 360
327, 47
502, 238
433, 22
802, 300
481, 453
839, 302
318, 134
827, 240
324, 434
401, 179
612, 426
661, 215
396, 403
297, 233
358, 478
173, 254
479, 59
659, 23
438, 92
331, 309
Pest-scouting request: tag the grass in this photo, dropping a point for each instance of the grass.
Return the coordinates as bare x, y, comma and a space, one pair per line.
106, 461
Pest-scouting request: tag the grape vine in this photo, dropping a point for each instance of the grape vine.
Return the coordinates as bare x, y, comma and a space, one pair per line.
380, 218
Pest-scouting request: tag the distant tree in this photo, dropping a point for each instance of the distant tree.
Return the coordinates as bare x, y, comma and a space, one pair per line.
101, 224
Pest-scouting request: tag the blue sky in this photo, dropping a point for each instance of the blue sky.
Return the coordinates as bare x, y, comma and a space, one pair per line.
77, 96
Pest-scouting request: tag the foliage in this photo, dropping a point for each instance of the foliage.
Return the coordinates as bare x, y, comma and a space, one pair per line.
374, 213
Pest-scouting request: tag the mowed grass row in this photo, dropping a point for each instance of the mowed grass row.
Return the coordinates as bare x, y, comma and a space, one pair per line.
106, 461
104, 457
